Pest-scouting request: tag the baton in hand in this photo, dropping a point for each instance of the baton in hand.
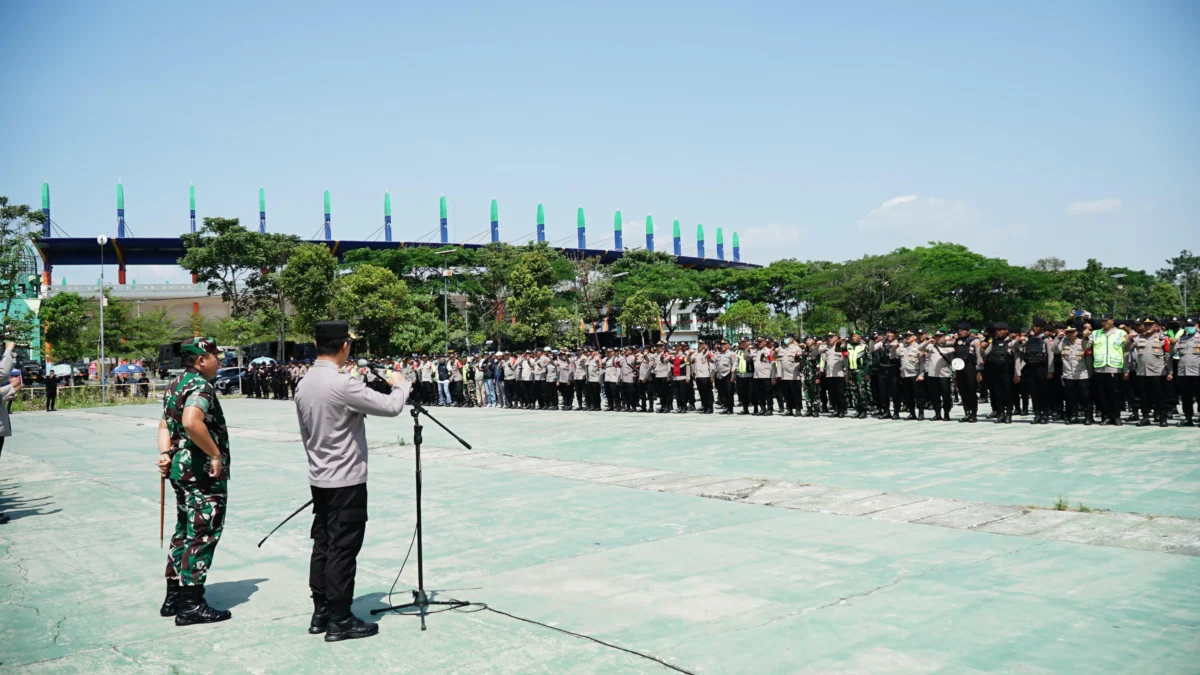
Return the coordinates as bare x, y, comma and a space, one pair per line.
162, 500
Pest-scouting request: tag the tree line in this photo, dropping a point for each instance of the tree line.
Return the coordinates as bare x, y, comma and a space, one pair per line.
419, 299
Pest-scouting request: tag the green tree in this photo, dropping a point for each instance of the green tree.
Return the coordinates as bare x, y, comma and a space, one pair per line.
144, 334
745, 314
18, 226
309, 283
1184, 271
639, 314
531, 299
234, 262
65, 318
663, 281
373, 301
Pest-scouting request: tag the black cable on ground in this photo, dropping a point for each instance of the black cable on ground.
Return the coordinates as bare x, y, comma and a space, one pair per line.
475, 607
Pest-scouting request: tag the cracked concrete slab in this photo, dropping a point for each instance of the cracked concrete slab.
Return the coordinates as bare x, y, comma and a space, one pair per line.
1157, 534
971, 516
1089, 528
869, 505
917, 510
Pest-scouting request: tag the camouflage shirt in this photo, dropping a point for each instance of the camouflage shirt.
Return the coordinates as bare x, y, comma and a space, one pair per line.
189, 464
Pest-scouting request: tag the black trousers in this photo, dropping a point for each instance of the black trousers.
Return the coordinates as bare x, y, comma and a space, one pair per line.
339, 524
1188, 387
663, 384
908, 394
613, 394
889, 389
580, 393
629, 395
724, 393
1034, 383
836, 386
1108, 394
1151, 391
565, 389
965, 379
51, 397
795, 395
937, 391
593, 391
681, 394
1000, 382
1079, 398
704, 386
762, 392
742, 384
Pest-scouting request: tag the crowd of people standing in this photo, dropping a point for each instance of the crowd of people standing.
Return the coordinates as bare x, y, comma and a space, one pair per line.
1081, 372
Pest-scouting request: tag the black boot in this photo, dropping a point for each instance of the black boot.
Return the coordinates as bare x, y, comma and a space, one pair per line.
170, 606
349, 627
320, 617
1187, 423
193, 609
1144, 422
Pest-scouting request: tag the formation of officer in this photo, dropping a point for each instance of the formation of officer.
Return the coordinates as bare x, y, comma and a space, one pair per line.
1086, 371
276, 381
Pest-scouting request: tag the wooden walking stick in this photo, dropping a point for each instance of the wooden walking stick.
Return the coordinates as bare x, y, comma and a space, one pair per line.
162, 500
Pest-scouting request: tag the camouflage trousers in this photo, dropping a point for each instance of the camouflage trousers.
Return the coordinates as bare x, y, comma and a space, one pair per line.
199, 521
812, 390
858, 396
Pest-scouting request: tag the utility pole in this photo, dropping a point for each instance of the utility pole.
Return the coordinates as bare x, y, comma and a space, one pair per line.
1118, 276
102, 240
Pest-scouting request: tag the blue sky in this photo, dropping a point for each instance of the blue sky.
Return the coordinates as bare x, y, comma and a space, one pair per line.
816, 131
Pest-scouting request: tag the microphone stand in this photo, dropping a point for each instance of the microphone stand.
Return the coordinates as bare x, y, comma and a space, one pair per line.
421, 601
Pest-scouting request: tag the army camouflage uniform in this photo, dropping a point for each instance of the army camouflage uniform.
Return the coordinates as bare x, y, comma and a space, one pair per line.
857, 394
812, 369
200, 500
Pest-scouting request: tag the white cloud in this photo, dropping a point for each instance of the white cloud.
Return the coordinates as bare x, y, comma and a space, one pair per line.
1091, 208
763, 243
931, 213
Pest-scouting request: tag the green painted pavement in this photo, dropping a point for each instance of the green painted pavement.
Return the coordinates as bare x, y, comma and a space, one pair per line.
713, 586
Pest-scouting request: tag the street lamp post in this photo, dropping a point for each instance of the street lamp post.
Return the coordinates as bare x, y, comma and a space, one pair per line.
1118, 276
1181, 282
446, 299
102, 240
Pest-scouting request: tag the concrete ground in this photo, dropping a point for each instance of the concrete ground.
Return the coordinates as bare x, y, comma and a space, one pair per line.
718, 544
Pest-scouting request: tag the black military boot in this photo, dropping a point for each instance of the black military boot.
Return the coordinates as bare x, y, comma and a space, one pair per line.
320, 617
170, 606
349, 627
1144, 421
1162, 420
193, 609
1088, 420
1187, 422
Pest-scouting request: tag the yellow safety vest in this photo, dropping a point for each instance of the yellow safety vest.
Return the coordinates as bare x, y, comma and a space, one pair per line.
1108, 350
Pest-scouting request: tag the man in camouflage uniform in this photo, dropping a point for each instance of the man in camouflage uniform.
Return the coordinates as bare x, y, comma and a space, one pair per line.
812, 371
857, 359
193, 448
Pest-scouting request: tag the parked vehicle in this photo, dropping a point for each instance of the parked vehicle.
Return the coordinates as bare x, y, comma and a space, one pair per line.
31, 371
229, 380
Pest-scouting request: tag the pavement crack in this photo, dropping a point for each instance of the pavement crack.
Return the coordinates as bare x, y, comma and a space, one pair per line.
58, 629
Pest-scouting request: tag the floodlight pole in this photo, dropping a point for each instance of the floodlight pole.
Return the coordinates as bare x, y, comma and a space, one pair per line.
102, 240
